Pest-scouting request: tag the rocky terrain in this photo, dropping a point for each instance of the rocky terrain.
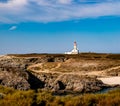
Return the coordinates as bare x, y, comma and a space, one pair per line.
58, 73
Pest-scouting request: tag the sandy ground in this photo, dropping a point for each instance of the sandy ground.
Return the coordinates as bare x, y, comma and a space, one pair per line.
110, 80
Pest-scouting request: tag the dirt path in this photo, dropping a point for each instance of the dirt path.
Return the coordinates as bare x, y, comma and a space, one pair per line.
101, 73
113, 68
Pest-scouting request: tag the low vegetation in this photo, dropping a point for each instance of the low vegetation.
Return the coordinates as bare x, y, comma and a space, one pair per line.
11, 97
81, 55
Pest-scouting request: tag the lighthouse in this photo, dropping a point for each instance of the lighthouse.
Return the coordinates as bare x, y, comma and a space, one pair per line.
75, 46
75, 49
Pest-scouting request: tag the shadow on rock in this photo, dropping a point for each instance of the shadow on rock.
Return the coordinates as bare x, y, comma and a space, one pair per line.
34, 82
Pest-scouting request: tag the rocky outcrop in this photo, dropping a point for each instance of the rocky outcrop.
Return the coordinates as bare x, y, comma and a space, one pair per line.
14, 73
19, 78
79, 83
25, 61
70, 82
13, 77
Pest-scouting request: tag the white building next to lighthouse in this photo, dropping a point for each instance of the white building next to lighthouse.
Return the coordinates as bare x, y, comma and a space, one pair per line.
74, 51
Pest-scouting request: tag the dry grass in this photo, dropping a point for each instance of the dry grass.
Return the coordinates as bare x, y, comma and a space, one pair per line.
81, 55
13, 97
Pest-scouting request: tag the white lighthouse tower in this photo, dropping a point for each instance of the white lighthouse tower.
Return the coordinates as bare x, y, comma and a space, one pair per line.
75, 45
74, 51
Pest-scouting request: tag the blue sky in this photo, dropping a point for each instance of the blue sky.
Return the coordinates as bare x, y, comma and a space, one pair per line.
50, 26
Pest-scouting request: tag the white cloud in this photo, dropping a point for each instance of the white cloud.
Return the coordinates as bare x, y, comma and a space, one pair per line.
65, 1
13, 28
16, 11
